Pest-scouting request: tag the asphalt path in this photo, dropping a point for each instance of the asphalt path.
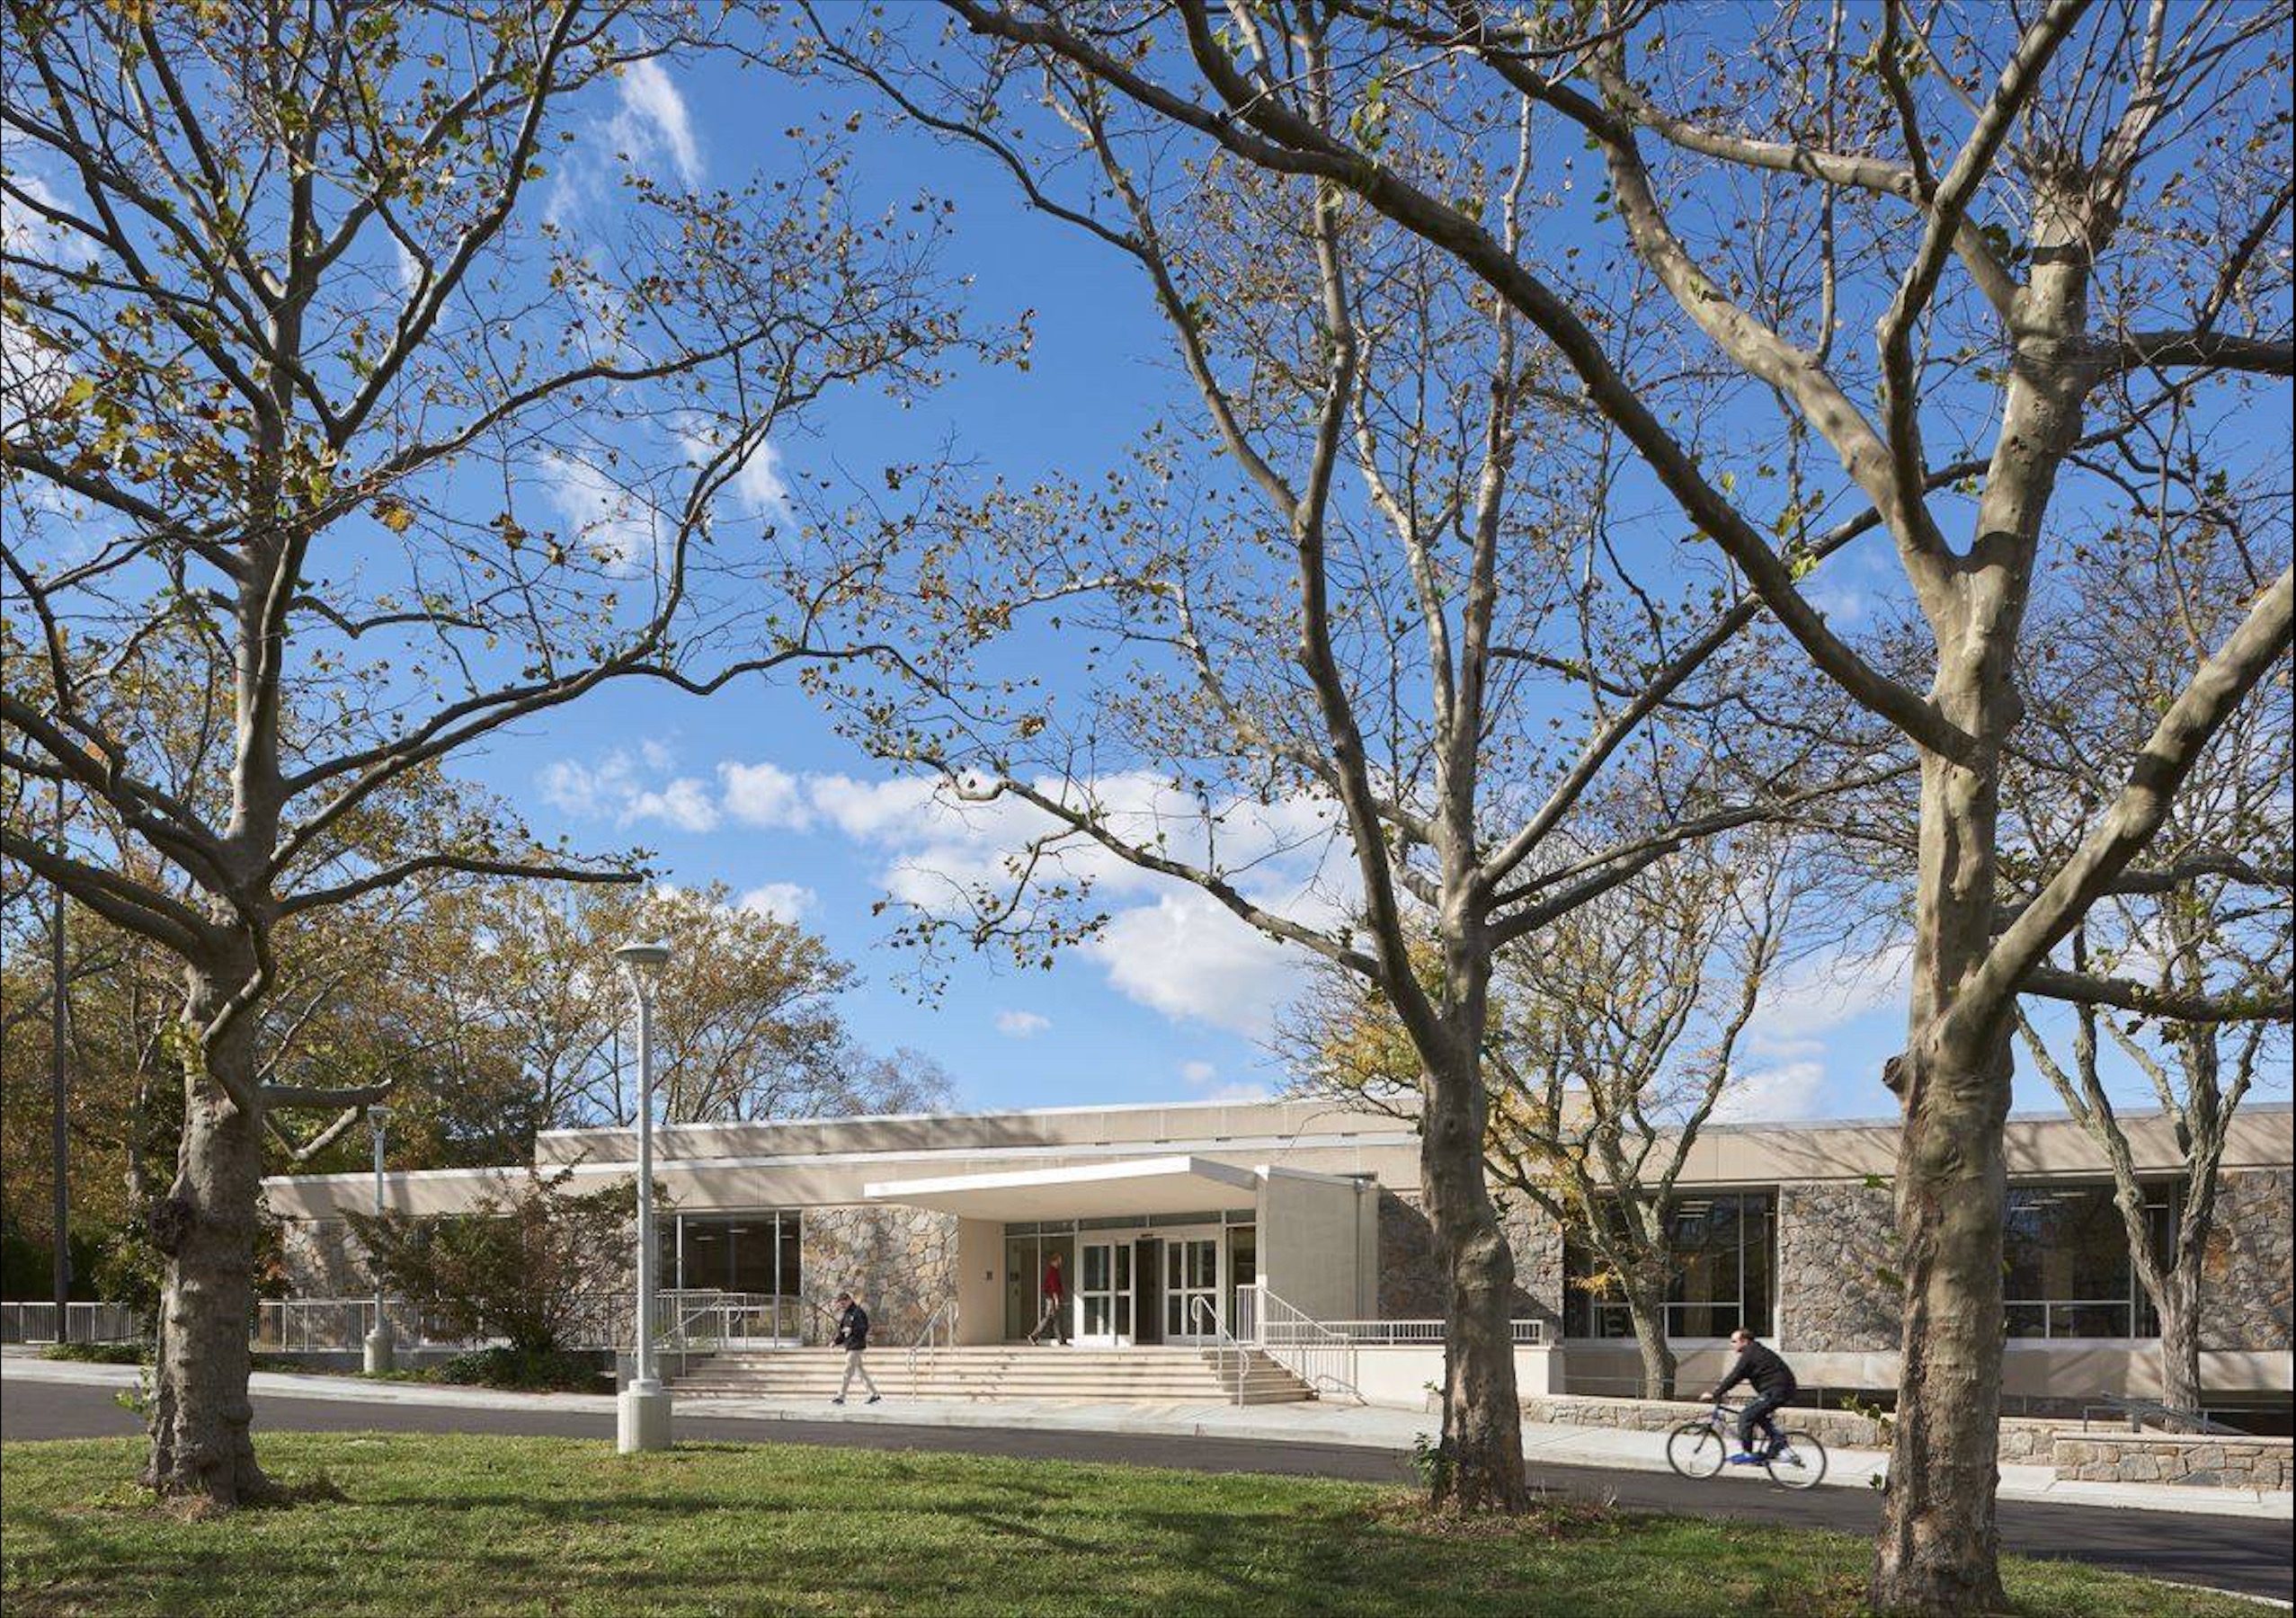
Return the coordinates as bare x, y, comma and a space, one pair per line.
2247, 1554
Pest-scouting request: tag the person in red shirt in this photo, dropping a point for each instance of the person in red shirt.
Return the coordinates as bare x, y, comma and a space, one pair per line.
1056, 1295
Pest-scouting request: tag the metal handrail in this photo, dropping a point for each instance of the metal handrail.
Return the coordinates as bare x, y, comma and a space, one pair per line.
1390, 1334
1202, 1305
1325, 1354
946, 1306
2138, 1412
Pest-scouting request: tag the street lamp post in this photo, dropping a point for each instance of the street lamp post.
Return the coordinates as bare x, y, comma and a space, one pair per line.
642, 1415
380, 1348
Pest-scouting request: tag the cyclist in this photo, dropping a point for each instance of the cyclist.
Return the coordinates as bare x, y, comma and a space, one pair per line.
1774, 1385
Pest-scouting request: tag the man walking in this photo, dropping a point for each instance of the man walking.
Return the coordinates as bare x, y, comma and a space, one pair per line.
853, 1336
1055, 1303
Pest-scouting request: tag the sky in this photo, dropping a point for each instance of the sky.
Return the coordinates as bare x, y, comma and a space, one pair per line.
1175, 1000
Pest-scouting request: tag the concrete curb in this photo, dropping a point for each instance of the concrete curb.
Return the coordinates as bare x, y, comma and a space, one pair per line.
1336, 1426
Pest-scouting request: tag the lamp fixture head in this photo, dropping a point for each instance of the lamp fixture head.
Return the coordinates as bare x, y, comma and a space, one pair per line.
643, 957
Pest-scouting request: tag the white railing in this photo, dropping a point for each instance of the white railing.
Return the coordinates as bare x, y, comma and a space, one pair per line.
1405, 1333
1201, 1312
83, 1323
1321, 1354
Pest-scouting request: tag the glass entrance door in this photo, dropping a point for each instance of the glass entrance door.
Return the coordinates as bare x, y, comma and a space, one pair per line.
1191, 1289
1104, 1292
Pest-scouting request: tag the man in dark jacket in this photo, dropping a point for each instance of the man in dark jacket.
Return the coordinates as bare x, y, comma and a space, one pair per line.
853, 1336
1774, 1385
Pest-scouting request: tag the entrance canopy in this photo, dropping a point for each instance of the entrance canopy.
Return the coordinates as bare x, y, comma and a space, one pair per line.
1143, 1185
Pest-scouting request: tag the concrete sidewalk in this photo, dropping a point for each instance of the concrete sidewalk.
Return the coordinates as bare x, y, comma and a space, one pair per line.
1351, 1427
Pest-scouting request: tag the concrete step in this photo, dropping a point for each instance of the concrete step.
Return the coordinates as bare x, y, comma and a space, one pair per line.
1159, 1374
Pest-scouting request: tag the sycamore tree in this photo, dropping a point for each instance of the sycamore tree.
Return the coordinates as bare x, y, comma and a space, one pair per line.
1944, 250
1350, 646
1610, 1045
355, 379
2201, 964
748, 1025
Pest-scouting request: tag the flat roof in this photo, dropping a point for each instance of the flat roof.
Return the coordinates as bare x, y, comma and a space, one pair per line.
1143, 1186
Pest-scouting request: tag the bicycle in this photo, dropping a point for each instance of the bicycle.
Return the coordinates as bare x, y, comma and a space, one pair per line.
1794, 1459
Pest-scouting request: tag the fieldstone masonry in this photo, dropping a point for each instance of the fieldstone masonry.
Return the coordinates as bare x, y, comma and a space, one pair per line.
900, 1262
323, 1258
1411, 1285
2244, 1291
1835, 1251
2183, 1460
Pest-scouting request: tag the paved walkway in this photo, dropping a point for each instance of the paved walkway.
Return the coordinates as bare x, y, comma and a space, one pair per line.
1329, 1425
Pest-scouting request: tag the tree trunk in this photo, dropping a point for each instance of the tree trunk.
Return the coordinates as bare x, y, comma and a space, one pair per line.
2177, 1303
1648, 1315
206, 1228
1938, 1551
1482, 1419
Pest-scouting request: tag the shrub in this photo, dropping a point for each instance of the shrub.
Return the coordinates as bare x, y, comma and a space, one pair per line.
528, 1266
536, 1370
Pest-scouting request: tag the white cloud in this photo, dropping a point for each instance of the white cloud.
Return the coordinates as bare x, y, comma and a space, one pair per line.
1821, 994
764, 795
782, 901
684, 803
1187, 957
652, 121
1781, 1095
617, 525
1021, 1025
1203, 1079
586, 791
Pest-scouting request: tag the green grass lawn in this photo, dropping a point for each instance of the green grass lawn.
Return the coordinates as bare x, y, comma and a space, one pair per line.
485, 1525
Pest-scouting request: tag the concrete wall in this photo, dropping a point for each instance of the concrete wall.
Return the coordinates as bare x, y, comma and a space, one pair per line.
1411, 1378
1310, 1244
979, 1262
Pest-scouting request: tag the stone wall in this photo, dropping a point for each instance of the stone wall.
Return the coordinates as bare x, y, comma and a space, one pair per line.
2245, 1288
2186, 1461
900, 1262
1835, 1251
2020, 1441
323, 1258
1411, 1284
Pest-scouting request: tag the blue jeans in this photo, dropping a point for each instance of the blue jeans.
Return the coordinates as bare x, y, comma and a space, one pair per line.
1758, 1414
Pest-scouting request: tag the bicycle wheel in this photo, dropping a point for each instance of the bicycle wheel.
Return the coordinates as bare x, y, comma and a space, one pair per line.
1695, 1450
1799, 1462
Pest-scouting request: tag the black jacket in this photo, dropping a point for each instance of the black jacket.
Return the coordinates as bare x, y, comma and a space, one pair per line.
1771, 1377
853, 1327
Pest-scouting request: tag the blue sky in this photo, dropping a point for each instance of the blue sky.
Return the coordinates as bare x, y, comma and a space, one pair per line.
752, 788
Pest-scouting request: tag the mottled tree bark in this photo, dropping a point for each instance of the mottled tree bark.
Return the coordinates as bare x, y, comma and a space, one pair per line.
1483, 1417
205, 1226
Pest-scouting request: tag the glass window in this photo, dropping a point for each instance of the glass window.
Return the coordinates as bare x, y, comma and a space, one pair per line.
2066, 1268
1724, 1269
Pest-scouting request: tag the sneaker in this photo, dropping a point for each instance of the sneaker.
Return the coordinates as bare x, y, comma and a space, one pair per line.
1743, 1459
839, 1400
875, 1397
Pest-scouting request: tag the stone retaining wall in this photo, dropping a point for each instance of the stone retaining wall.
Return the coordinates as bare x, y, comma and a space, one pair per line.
2021, 1442
2185, 1460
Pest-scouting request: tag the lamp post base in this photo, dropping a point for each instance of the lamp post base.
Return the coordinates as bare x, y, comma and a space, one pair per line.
642, 1418
381, 1351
